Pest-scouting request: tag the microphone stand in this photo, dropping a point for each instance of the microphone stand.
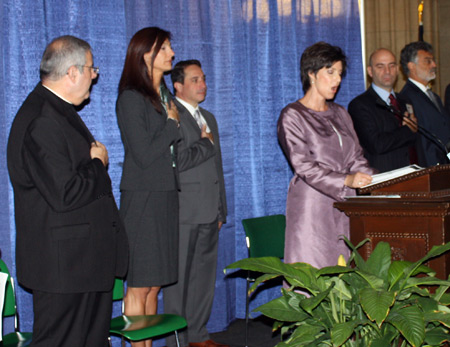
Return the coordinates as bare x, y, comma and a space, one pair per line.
425, 132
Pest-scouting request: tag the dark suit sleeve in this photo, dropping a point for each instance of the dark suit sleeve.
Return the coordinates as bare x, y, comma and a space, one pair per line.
145, 142
223, 211
197, 153
370, 131
64, 183
447, 99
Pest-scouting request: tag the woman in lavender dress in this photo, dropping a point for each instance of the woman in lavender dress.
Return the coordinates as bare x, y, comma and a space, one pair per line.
321, 145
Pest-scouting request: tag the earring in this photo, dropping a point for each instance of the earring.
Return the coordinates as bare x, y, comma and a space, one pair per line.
312, 82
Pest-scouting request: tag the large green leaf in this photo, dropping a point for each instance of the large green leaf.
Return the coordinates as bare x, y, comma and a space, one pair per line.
434, 252
410, 322
308, 277
374, 281
334, 270
259, 280
305, 334
294, 299
279, 309
445, 299
441, 317
355, 282
311, 303
376, 303
398, 271
268, 265
437, 336
426, 304
300, 276
355, 256
383, 341
406, 294
341, 332
379, 261
429, 281
341, 289
439, 293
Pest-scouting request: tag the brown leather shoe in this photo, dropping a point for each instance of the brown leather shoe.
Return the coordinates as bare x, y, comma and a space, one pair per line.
207, 343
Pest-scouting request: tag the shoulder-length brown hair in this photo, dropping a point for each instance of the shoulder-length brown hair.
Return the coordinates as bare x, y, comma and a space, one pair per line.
135, 74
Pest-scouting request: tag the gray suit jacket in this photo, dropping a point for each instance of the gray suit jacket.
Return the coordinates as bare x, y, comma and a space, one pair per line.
202, 187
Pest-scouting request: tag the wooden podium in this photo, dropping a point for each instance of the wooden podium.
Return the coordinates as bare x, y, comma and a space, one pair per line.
411, 212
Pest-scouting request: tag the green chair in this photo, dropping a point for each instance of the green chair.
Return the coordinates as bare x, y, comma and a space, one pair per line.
135, 328
265, 238
16, 338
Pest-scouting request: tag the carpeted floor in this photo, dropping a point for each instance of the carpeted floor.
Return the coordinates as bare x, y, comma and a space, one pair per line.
259, 334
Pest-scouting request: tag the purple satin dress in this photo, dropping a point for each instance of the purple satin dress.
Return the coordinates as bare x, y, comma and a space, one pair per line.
322, 148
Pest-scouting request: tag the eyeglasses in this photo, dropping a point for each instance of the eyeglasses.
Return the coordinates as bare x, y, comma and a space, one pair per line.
94, 68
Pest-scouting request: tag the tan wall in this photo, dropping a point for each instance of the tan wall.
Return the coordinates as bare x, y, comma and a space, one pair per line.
444, 43
394, 23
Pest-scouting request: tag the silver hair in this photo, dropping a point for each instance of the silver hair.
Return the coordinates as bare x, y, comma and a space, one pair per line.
409, 53
62, 53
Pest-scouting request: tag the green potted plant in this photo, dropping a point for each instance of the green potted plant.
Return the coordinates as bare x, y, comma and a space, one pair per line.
377, 303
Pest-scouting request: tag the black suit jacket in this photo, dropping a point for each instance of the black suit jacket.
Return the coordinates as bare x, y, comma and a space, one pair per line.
385, 143
436, 121
202, 187
147, 137
69, 235
447, 99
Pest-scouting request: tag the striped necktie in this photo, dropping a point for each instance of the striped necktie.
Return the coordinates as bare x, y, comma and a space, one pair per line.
198, 118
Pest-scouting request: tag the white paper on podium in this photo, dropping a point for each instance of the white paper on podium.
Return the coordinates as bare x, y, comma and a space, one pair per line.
3, 278
389, 175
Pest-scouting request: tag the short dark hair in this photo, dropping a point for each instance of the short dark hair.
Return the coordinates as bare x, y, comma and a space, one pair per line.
62, 53
178, 75
318, 56
135, 74
409, 53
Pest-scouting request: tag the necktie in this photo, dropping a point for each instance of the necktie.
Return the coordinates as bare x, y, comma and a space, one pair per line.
433, 98
198, 118
396, 106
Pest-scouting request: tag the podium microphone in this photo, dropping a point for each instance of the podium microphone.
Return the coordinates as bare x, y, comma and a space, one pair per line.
425, 132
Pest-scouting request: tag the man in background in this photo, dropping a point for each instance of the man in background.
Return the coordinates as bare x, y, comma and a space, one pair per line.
69, 240
386, 131
418, 64
202, 207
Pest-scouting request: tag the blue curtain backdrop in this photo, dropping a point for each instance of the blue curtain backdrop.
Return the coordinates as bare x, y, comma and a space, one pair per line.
250, 51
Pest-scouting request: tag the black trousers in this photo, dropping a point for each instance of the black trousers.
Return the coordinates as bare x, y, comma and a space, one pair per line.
71, 320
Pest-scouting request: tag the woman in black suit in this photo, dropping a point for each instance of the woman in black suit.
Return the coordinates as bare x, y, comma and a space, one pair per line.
148, 123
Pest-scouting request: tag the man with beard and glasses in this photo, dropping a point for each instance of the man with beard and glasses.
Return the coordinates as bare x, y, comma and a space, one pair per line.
419, 65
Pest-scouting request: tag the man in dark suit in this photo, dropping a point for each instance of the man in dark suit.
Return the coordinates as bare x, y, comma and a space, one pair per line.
202, 206
70, 244
418, 64
447, 98
385, 130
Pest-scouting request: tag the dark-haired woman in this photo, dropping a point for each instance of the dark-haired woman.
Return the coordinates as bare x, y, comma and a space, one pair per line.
148, 123
318, 139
